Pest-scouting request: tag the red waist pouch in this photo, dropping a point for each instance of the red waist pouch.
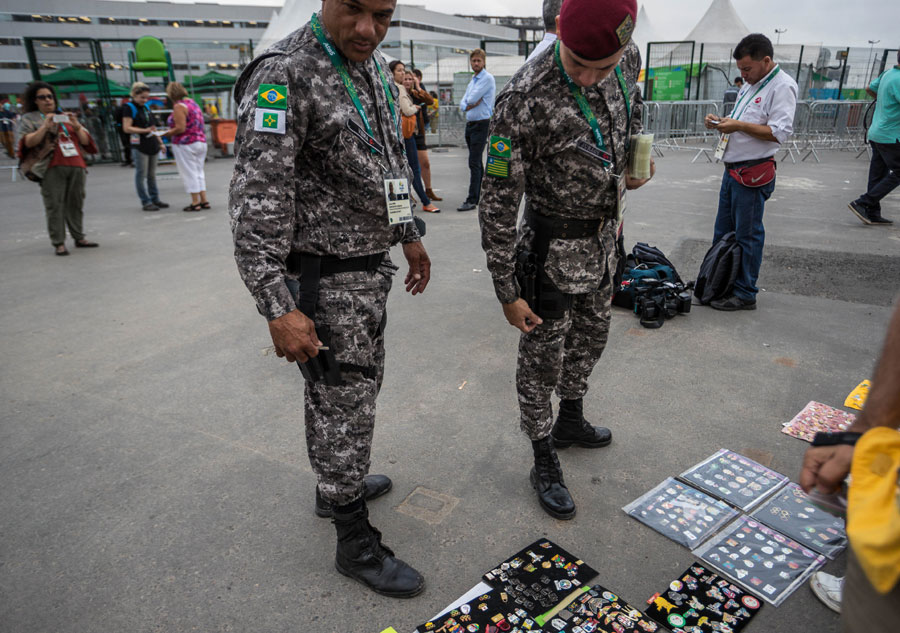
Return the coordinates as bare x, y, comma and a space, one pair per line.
756, 175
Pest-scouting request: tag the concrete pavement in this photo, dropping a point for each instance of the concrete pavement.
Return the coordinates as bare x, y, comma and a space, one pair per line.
152, 451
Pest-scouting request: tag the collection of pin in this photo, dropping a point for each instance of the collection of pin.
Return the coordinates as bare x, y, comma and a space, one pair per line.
791, 513
599, 610
685, 515
700, 601
815, 418
767, 562
736, 479
540, 575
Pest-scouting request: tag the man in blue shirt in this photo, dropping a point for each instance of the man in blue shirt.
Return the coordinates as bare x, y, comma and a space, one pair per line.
478, 106
884, 137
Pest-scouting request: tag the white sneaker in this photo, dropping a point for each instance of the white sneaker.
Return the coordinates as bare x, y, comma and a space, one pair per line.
828, 589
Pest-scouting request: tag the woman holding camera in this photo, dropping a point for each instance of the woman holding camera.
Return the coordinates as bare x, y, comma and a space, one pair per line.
52, 145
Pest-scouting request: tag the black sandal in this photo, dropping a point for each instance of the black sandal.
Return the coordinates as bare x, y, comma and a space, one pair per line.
62, 252
193, 207
204, 205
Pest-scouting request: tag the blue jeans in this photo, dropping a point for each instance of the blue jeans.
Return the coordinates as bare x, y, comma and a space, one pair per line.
741, 211
412, 157
145, 169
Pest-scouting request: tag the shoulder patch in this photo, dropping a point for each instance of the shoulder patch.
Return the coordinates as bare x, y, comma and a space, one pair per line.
500, 147
272, 96
269, 121
497, 167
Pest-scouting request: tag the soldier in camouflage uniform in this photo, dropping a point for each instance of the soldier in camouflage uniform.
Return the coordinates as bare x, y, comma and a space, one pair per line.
543, 144
318, 142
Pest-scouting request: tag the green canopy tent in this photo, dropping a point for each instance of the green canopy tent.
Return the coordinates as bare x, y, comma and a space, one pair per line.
70, 76
209, 82
115, 90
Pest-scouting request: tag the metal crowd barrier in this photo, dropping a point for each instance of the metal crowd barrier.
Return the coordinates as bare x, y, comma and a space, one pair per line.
680, 125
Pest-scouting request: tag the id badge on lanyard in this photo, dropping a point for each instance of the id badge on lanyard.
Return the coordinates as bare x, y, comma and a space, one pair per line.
68, 148
720, 148
396, 194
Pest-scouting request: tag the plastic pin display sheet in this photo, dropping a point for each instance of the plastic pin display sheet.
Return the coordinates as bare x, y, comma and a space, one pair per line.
734, 478
817, 417
700, 600
791, 513
684, 514
766, 562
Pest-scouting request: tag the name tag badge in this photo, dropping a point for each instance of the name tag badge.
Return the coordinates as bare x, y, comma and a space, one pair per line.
396, 193
720, 148
135, 139
360, 133
622, 189
68, 149
594, 152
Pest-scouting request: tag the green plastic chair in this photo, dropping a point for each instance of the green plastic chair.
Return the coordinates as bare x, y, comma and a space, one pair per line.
150, 58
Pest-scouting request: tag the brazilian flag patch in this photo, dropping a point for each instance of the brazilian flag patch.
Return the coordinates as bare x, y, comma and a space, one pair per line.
497, 167
500, 147
272, 96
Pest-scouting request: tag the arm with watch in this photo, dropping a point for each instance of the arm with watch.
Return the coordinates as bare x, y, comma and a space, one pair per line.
827, 462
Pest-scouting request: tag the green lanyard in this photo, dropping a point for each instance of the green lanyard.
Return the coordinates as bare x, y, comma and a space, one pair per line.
585, 107
764, 84
341, 69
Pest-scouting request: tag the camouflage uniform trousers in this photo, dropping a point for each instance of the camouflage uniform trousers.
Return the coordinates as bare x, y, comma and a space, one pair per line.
340, 420
561, 354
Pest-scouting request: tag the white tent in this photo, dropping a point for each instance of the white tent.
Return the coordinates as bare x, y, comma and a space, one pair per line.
643, 32
293, 15
720, 24
718, 30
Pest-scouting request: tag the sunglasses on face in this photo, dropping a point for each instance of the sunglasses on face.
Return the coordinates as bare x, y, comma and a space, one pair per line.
42, 97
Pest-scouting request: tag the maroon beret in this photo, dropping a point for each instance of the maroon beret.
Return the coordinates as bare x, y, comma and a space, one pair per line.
596, 29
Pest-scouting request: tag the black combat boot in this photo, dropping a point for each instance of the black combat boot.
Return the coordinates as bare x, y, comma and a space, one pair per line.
572, 428
547, 479
362, 557
373, 487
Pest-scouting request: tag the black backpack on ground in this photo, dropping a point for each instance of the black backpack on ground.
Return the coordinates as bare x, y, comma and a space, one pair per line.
719, 270
646, 254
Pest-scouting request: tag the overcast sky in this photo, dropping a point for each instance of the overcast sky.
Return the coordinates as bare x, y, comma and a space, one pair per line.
831, 22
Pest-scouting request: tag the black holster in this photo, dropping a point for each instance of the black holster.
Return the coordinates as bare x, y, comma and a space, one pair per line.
542, 295
324, 367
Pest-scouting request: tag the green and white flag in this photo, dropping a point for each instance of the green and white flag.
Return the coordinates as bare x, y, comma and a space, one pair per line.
269, 121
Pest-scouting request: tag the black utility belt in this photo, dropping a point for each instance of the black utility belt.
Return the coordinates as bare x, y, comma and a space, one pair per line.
332, 265
550, 228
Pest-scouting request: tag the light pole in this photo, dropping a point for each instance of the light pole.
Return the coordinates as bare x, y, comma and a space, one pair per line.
779, 32
872, 44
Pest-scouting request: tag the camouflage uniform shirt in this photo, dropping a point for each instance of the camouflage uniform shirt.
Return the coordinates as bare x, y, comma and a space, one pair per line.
317, 188
538, 114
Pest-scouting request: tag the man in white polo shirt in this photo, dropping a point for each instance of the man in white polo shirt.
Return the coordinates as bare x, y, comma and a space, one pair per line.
762, 119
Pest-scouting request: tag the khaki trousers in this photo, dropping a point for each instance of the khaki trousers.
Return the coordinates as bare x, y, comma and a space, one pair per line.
63, 193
